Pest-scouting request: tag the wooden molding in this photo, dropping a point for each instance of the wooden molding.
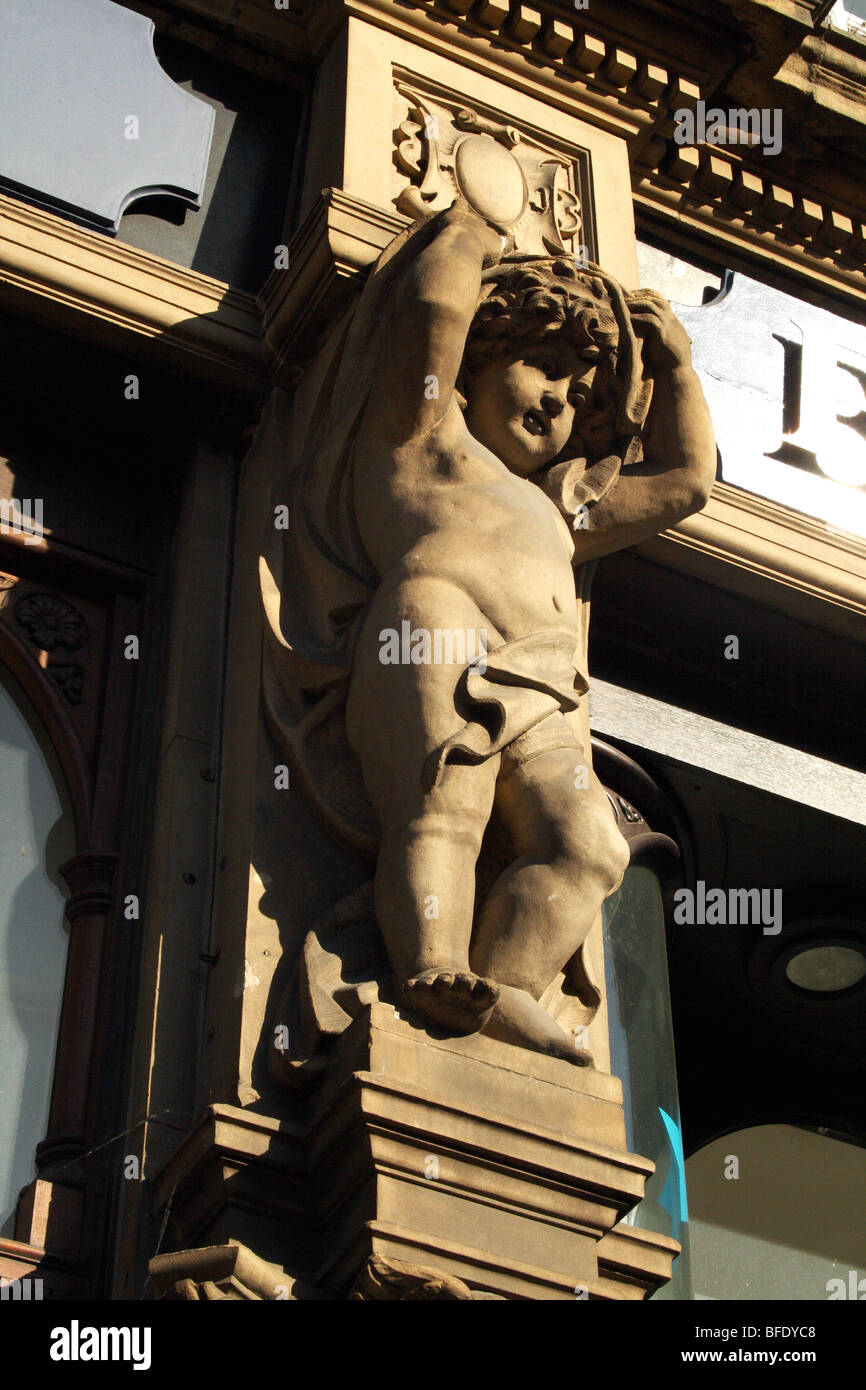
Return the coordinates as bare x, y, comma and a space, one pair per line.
62, 1276
17, 657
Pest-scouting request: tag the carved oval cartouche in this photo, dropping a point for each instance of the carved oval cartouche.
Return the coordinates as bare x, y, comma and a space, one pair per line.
490, 178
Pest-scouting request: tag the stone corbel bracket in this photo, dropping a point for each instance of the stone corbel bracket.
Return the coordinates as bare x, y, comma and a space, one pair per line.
341, 237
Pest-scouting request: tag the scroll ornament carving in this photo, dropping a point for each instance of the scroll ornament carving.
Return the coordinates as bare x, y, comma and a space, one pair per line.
521, 189
234, 1273
69, 679
383, 1280
220, 1273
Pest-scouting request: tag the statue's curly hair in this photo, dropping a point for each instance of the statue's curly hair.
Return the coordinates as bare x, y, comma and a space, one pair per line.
530, 302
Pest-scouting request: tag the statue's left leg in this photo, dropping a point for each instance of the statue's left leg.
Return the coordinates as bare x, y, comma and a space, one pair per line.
570, 857
397, 714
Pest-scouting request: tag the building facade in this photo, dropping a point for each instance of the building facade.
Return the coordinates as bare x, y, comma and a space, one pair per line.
191, 196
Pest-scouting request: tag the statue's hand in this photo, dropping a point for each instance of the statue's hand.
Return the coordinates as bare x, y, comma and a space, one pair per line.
461, 213
666, 344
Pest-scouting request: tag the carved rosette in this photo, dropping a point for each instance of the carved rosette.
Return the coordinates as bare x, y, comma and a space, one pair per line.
52, 624
443, 152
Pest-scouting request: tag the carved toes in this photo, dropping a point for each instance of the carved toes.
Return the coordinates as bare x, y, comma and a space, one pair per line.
452, 998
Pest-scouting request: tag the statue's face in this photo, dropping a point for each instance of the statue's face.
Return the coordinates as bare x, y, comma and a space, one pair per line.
523, 408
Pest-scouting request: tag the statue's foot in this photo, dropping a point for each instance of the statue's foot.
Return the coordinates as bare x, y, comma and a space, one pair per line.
452, 999
519, 1019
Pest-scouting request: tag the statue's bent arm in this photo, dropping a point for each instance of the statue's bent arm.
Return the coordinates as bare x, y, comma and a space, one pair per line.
674, 480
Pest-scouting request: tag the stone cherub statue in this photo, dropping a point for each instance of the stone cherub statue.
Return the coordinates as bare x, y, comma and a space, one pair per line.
489, 428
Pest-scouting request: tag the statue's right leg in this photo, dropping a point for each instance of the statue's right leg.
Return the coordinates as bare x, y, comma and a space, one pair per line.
397, 714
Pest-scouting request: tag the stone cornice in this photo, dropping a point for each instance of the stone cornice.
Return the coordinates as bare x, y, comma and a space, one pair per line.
558, 60
779, 229
754, 51
773, 554
732, 197
627, 68
81, 281
226, 28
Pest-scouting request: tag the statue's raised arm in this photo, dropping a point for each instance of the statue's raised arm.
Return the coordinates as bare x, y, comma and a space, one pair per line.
425, 321
675, 475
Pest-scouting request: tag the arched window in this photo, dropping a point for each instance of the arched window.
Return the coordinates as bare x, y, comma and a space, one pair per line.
639, 1004
36, 836
777, 1213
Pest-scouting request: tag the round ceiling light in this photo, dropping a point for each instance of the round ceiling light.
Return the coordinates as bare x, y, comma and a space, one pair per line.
826, 969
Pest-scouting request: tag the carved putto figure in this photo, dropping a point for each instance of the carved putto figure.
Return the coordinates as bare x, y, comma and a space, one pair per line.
490, 427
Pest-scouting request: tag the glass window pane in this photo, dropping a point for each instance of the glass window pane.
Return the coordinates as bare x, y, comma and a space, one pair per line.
642, 1056
36, 835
